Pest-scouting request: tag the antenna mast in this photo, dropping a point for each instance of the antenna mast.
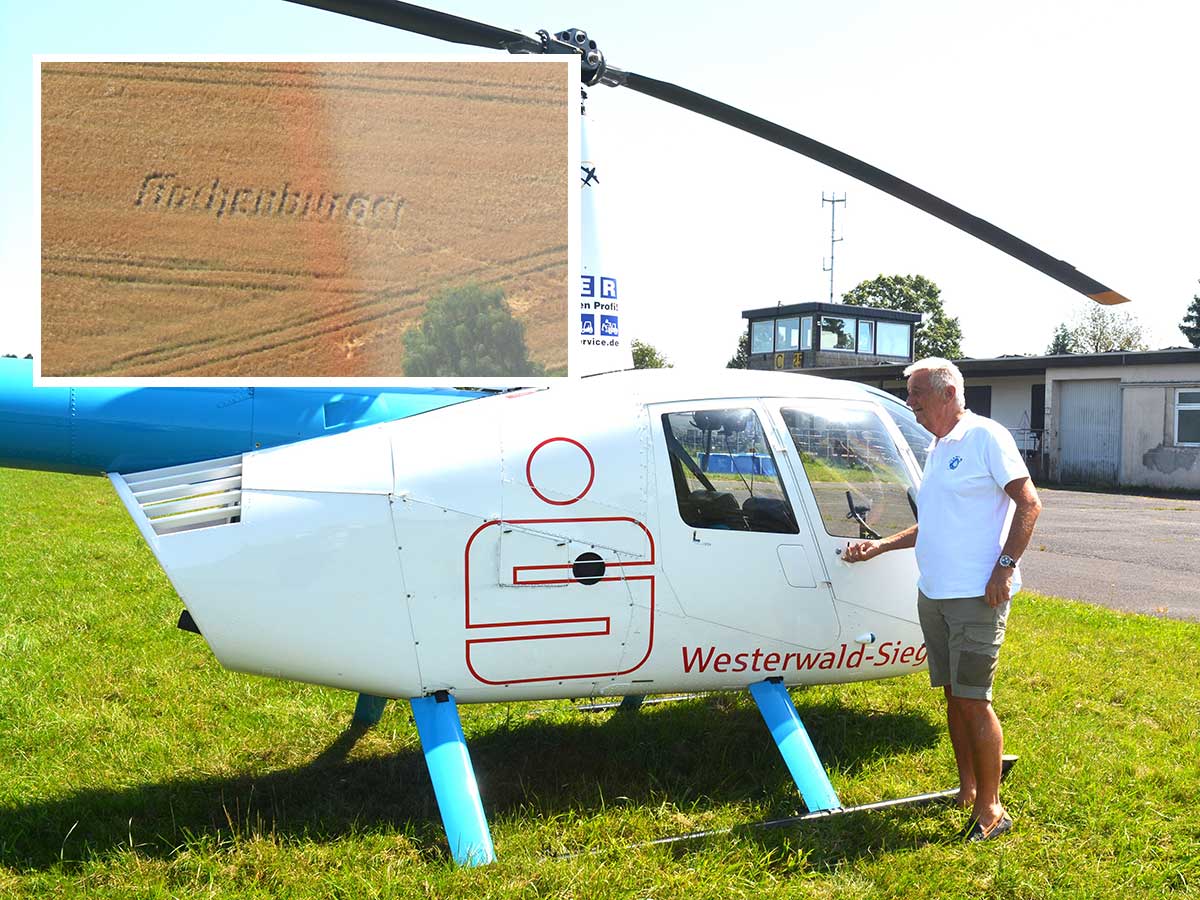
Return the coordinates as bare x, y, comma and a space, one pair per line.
833, 200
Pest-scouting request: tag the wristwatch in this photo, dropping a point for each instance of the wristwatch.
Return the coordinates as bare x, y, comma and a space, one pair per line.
1006, 562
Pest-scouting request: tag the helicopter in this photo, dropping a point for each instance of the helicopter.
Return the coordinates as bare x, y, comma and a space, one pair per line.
562, 541
450, 546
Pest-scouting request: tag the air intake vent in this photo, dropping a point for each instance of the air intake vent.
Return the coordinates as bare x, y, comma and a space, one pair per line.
183, 498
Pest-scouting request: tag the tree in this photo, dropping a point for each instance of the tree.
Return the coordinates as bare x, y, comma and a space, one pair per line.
468, 331
645, 356
741, 359
937, 334
1062, 342
1098, 330
1190, 326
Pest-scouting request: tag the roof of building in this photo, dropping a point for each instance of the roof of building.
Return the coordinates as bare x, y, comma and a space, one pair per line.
833, 309
1028, 365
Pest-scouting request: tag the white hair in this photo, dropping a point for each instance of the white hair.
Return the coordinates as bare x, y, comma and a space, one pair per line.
942, 374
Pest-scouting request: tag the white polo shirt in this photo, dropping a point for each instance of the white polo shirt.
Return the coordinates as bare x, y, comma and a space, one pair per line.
964, 513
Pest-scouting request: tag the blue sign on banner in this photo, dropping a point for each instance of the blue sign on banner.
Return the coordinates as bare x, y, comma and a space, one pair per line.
589, 324
608, 288
608, 326
589, 286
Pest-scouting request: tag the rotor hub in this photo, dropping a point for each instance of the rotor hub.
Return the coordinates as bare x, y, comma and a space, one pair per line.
591, 61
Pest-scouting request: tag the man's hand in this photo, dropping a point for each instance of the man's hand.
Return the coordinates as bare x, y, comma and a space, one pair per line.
860, 551
999, 586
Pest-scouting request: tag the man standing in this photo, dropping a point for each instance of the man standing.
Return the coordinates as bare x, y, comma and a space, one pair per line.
974, 476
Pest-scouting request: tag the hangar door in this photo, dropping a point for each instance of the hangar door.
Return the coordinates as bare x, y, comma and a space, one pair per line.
1089, 428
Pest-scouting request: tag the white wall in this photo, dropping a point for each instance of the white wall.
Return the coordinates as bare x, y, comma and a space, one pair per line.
1010, 398
1149, 456
1011, 404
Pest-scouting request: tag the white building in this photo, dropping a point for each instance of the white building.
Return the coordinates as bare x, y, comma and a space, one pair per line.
1120, 418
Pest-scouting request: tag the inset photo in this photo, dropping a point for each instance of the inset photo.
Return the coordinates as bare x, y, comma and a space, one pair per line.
266, 219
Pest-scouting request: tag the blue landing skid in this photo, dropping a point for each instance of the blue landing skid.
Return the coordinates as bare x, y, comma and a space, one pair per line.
440, 730
368, 710
781, 717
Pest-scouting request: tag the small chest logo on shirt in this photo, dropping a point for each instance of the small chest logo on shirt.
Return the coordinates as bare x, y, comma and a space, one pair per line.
955, 461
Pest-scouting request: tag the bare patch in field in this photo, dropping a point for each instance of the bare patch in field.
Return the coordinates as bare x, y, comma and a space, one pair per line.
292, 219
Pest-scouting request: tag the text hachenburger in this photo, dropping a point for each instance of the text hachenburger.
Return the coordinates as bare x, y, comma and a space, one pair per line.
163, 191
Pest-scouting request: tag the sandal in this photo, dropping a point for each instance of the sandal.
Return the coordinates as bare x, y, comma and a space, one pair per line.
975, 831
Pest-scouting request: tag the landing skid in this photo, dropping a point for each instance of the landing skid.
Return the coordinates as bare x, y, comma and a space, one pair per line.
634, 702
457, 792
789, 821
1007, 764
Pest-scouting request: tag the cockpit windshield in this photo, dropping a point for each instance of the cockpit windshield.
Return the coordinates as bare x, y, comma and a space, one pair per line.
917, 438
858, 477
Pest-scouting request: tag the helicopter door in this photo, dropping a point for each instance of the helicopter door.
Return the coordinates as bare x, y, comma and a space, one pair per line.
852, 474
733, 549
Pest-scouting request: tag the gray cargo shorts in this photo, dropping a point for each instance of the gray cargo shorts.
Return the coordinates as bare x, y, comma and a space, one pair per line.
962, 643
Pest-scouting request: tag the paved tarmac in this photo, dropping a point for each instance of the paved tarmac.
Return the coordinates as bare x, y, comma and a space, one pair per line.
1138, 554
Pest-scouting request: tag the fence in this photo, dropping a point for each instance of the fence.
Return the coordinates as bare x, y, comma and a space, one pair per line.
1032, 444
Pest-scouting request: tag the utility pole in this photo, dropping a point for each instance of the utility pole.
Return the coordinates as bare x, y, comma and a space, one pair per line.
833, 200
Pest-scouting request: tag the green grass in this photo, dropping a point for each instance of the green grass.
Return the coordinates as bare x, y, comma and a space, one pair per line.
132, 765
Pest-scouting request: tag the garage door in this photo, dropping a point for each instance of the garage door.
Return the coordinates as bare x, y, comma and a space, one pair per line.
1089, 428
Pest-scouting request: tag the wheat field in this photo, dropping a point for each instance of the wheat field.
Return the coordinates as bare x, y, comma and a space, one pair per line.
292, 219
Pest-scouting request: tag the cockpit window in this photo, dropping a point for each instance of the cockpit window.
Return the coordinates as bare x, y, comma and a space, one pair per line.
724, 473
859, 480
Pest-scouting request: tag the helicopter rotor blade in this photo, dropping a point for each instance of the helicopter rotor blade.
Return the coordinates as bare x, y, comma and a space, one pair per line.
431, 23
1057, 269
420, 20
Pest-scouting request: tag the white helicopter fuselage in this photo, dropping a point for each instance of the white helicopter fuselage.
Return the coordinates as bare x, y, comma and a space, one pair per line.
553, 543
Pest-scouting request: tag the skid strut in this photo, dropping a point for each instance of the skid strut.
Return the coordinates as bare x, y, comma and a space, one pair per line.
453, 777
631, 703
778, 711
369, 709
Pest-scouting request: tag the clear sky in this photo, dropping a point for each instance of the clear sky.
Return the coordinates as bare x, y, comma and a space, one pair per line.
1071, 124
